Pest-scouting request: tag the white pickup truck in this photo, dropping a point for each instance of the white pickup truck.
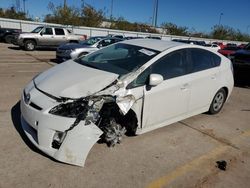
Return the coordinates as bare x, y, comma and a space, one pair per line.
45, 36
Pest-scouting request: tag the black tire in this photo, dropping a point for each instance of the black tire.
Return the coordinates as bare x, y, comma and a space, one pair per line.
81, 54
218, 102
8, 39
29, 45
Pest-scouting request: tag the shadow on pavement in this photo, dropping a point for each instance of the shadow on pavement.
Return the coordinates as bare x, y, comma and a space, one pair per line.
37, 49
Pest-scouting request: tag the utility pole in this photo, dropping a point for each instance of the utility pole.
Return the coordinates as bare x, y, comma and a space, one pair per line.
18, 5
24, 6
153, 17
111, 10
155, 13
64, 4
221, 14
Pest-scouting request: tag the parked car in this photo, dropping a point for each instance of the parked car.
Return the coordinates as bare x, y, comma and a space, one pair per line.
228, 51
153, 37
129, 38
242, 45
131, 87
241, 64
214, 47
231, 45
6, 34
115, 36
201, 43
220, 44
45, 36
73, 50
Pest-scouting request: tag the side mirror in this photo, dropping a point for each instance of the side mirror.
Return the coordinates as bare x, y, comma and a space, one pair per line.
41, 33
155, 79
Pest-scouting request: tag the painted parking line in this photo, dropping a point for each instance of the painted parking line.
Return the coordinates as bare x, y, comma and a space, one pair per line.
180, 171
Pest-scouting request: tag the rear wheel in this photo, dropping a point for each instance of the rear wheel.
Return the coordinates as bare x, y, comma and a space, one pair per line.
29, 45
218, 102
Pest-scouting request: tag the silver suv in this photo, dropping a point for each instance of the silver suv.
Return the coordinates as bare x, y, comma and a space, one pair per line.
45, 36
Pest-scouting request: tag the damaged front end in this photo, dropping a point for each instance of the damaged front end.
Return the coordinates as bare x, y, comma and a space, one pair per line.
99, 117
102, 118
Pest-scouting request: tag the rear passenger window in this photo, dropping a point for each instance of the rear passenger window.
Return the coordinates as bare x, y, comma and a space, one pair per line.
59, 31
202, 60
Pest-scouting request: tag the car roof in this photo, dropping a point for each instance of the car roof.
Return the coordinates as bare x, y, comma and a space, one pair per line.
159, 45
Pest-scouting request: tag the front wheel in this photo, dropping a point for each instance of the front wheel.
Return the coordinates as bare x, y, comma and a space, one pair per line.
29, 45
8, 39
218, 102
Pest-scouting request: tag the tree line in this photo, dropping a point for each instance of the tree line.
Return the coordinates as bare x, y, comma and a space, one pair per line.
88, 16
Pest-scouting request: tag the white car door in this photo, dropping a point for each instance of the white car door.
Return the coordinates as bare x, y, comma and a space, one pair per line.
169, 99
204, 77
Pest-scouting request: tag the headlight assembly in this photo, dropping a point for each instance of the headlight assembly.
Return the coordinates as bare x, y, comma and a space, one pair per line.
70, 109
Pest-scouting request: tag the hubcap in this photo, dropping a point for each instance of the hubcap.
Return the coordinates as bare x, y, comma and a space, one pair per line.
30, 46
218, 101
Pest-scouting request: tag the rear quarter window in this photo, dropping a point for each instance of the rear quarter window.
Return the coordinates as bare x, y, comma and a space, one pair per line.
201, 59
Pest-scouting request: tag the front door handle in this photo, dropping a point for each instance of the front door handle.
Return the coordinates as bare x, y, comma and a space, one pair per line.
213, 77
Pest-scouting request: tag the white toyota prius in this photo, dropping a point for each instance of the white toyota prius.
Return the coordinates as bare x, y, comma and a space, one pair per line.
131, 87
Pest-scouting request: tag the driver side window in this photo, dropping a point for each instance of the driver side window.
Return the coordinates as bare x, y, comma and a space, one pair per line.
47, 31
169, 66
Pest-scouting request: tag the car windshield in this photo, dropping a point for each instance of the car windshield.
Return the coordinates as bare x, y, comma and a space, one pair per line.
119, 58
91, 41
247, 47
37, 30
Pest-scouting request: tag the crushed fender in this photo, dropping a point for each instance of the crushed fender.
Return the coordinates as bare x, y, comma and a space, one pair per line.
102, 116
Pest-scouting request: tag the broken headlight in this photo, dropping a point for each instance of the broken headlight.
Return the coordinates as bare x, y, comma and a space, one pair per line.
70, 109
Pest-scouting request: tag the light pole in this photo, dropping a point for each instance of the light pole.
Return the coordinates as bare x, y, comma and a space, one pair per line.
24, 7
155, 13
221, 14
111, 10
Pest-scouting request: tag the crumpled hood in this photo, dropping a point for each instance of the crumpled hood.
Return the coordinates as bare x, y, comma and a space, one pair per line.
73, 80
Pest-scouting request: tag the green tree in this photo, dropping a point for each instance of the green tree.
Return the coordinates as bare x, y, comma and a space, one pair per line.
13, 14
92, 17
228, 33
173, 29
123, 24
63, 15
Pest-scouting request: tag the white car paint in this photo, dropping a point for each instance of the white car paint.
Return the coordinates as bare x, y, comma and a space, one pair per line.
157, 106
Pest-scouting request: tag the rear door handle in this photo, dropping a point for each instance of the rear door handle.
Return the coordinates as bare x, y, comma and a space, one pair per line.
184, 86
